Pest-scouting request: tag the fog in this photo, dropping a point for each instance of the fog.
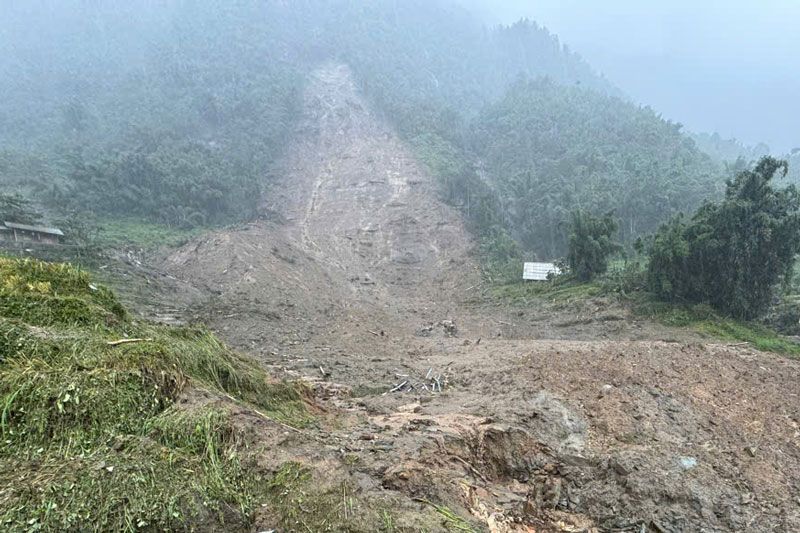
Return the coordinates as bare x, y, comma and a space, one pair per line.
726, 66
180, 112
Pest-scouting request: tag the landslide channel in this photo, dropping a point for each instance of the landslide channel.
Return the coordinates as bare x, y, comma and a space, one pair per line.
354, 279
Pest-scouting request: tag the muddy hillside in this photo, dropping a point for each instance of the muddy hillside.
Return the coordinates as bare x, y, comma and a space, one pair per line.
358, 280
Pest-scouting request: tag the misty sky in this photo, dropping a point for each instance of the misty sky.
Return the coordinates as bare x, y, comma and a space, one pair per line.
729, 66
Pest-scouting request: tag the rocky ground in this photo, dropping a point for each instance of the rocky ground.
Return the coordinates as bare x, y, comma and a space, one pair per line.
360, 282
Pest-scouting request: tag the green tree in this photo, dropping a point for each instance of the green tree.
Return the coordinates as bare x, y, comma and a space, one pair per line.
501, 255
667, 268
590, 243
731, 254
16, 208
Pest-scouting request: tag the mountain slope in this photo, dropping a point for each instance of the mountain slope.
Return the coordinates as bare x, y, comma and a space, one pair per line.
175, 114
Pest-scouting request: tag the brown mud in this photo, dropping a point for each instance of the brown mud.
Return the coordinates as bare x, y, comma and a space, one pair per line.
527, 420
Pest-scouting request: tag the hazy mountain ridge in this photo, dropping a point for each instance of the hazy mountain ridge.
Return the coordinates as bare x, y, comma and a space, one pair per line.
728, 150
177, 112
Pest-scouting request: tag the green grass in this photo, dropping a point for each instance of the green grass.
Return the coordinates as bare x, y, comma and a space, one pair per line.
700, 318
704, 320
525, 292
91, 436
452, 521
121, 232
55, 295
132, 484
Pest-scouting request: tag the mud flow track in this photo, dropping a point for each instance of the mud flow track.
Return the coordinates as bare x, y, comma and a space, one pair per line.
350, 282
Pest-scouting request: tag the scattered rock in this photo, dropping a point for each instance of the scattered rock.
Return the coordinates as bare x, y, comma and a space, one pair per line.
619, 467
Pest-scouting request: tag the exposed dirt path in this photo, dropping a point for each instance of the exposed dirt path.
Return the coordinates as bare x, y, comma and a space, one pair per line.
352, 281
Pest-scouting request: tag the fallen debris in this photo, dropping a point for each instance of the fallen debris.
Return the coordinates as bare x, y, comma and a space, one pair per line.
432, 382
471, 468
397, 388
449, 329
127, 341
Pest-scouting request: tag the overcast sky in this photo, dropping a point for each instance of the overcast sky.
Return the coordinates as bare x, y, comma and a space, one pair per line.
731, 66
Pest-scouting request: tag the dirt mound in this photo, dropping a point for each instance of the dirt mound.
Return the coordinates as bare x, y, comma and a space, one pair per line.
359, 281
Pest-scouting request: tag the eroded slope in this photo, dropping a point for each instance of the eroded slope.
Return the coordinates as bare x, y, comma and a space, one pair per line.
350, 282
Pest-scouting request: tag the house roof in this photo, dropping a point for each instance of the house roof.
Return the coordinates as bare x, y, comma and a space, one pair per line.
539, 271
37, 229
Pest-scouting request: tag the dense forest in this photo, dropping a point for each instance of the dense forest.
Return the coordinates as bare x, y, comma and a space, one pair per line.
149, 115
552, 149
732, 254
176, 114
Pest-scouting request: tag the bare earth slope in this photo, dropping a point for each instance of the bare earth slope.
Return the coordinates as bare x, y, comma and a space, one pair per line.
351, 280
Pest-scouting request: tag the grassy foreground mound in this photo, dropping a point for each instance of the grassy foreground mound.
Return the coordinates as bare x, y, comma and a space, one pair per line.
91, 436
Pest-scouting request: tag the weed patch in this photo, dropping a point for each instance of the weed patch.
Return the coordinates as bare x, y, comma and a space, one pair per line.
554, 291
452, 521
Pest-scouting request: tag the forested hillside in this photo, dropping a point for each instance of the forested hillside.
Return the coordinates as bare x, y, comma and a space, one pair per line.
521, 130
173, 117
176, 113
552, 149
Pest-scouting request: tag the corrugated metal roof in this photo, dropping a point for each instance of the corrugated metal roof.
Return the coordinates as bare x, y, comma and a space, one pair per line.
539, 271
37, 229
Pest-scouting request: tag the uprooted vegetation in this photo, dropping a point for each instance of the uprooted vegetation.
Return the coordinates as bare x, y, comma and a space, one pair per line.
93, 436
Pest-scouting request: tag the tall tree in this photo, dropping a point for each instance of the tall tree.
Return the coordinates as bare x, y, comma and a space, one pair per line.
732, 254
16, 208
591, 243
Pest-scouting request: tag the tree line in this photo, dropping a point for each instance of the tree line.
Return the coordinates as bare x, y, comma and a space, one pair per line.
732, 254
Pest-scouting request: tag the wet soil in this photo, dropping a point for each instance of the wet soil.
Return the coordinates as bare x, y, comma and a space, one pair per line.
360, 282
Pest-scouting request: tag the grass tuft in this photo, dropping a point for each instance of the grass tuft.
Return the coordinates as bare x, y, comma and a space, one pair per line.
452, 521
91, 436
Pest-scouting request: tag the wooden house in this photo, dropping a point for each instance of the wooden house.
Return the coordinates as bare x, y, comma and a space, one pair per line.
11, 231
